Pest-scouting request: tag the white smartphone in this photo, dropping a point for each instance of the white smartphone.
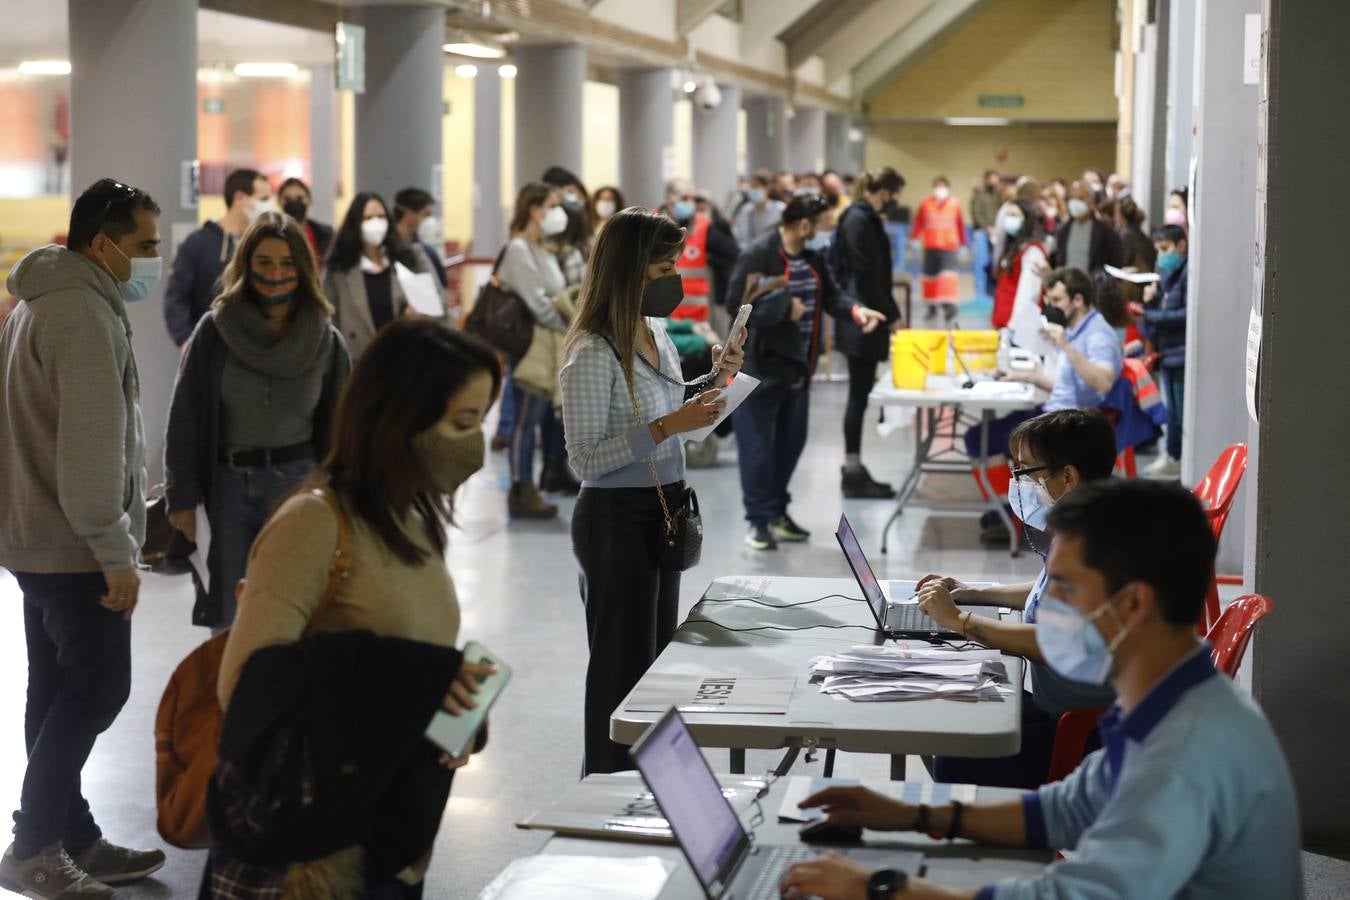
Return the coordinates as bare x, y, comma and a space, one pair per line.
455, 734
742, 316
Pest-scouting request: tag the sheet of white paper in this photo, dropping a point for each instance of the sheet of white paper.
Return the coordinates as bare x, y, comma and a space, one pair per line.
733, 395
912, 792
203, 552
1001, 390
1027, 323
557, 877
1133, 277
420, 289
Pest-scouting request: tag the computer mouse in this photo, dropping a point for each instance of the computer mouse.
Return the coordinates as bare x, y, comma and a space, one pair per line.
826, 832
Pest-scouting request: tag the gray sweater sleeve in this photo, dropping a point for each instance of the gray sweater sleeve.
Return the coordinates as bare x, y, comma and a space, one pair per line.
91, 460
520, 273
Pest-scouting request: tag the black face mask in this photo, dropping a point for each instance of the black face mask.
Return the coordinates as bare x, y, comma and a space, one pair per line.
661, 296
296, 209
1055, 316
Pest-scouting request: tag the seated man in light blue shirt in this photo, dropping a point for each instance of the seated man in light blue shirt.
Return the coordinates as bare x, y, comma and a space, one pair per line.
1190, 795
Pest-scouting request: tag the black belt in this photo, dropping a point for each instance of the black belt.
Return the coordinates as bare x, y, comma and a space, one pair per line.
266, 457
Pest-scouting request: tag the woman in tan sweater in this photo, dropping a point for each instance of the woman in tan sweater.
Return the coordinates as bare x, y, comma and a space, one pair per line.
408, 433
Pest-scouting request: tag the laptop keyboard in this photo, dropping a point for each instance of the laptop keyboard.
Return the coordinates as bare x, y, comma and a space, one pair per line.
778, 861
908, 617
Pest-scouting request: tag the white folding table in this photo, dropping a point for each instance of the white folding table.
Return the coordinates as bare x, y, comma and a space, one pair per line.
986, 728
938, 445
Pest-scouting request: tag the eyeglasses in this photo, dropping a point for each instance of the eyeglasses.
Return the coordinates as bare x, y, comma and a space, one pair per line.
1022, 471
123, 193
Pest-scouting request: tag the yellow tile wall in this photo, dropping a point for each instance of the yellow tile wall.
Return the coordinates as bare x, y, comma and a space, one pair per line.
1055, 53
963, 153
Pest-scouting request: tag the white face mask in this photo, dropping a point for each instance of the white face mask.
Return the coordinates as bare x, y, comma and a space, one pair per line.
554, 221
1078, 208
258, 207
374, 231
429, 232
941, 192
604, 208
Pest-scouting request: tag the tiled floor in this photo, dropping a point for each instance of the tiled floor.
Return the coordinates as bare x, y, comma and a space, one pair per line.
517, 584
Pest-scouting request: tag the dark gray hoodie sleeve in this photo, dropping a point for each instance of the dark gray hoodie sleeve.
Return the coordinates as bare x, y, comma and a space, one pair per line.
86, 376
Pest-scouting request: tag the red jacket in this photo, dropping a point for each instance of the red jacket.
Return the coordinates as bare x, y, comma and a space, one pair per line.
938, 224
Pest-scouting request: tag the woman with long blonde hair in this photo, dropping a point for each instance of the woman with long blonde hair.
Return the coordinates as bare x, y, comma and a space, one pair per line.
624, 410
253, 404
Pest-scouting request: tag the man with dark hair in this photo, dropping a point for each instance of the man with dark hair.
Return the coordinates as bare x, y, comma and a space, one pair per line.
1189, 797
760, 213
1052, 455
1165, 325
295, 202
1085, 241
194, 279
785, 338
72, 519
416, 223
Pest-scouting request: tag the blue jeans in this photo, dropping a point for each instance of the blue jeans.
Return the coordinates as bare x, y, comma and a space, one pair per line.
530, 410
506, 409
982, 247
247, 499
770, 436
552, 439
79, 677
1174, 382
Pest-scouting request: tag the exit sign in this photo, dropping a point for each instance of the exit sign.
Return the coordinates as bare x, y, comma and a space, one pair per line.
1002, 101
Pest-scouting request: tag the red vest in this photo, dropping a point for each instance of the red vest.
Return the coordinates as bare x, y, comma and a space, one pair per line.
693, 263
1006, 291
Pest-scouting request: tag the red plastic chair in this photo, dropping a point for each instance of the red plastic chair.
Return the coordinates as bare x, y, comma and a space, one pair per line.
1216, 493
1230, 637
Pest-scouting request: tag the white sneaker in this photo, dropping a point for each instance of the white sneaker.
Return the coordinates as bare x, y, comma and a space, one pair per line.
1163, 467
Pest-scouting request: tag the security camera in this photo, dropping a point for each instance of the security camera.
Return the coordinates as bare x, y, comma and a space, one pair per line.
708, 96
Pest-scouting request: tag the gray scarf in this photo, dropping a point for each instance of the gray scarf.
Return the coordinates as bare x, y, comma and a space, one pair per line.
306, 342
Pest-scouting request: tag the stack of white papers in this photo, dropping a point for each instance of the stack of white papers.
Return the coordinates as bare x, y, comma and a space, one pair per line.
868, 673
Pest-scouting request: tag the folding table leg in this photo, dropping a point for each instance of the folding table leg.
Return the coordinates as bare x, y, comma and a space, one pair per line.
829, 763
737, 761
897, 767
786, 762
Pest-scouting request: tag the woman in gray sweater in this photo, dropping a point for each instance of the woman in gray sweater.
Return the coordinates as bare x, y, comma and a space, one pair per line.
253, 404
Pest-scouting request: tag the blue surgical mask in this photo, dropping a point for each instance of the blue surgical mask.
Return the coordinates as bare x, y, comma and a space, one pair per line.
1012, 225
1168, 262
682, 210
756, 195
1032, 502
1072, 644
146, 272
819, 242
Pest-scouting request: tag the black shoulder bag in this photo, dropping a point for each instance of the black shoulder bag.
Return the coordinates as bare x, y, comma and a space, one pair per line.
500, 317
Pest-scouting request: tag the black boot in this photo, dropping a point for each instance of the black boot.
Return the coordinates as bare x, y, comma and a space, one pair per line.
858, 484
557, 479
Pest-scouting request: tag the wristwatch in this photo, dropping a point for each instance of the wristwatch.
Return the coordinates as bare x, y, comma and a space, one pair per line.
884, 883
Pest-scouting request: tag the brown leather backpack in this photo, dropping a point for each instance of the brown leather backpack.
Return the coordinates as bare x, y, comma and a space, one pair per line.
187, 725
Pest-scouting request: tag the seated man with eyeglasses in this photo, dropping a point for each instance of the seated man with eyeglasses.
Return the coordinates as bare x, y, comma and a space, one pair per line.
1191, 795
1052, 455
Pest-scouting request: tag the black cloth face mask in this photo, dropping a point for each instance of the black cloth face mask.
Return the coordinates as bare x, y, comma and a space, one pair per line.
296, 209
661, 296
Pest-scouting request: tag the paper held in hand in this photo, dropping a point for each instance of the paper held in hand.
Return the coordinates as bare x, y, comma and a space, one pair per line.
420, 289
1133, 277
733, 395
712, 694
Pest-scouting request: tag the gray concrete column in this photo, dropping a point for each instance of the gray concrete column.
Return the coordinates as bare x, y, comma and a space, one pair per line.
1149, 137
806, 139
766, 133
114, 106
549, 84
1301, 496
646, 130
323, 143
489, 219
398, 118
715, 135
1223, 229
1180, 93
839, 150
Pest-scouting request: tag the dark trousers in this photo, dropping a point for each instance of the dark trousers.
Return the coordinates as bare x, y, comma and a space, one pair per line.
79, 677
1000, 431
1174, 383
862, 377
530, 410
1026, 769
770, 434
631, 604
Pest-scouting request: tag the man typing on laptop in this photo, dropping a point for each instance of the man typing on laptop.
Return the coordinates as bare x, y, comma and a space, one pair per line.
1190, 796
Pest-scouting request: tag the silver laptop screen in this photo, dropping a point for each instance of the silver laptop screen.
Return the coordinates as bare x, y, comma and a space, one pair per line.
862, 571
690, 798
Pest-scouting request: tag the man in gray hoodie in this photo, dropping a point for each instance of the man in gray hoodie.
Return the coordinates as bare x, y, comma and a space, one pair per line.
72, 519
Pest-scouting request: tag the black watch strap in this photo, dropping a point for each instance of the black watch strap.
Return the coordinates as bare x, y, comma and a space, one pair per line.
884, 883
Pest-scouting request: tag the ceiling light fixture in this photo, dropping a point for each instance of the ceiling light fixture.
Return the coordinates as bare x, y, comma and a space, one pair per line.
44, 67
975, 120
690, 86
507, 71
466, 71
266, 70
477, 51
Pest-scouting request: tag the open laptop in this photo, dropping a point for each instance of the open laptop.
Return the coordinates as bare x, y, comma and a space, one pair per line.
726, 862
896, 618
